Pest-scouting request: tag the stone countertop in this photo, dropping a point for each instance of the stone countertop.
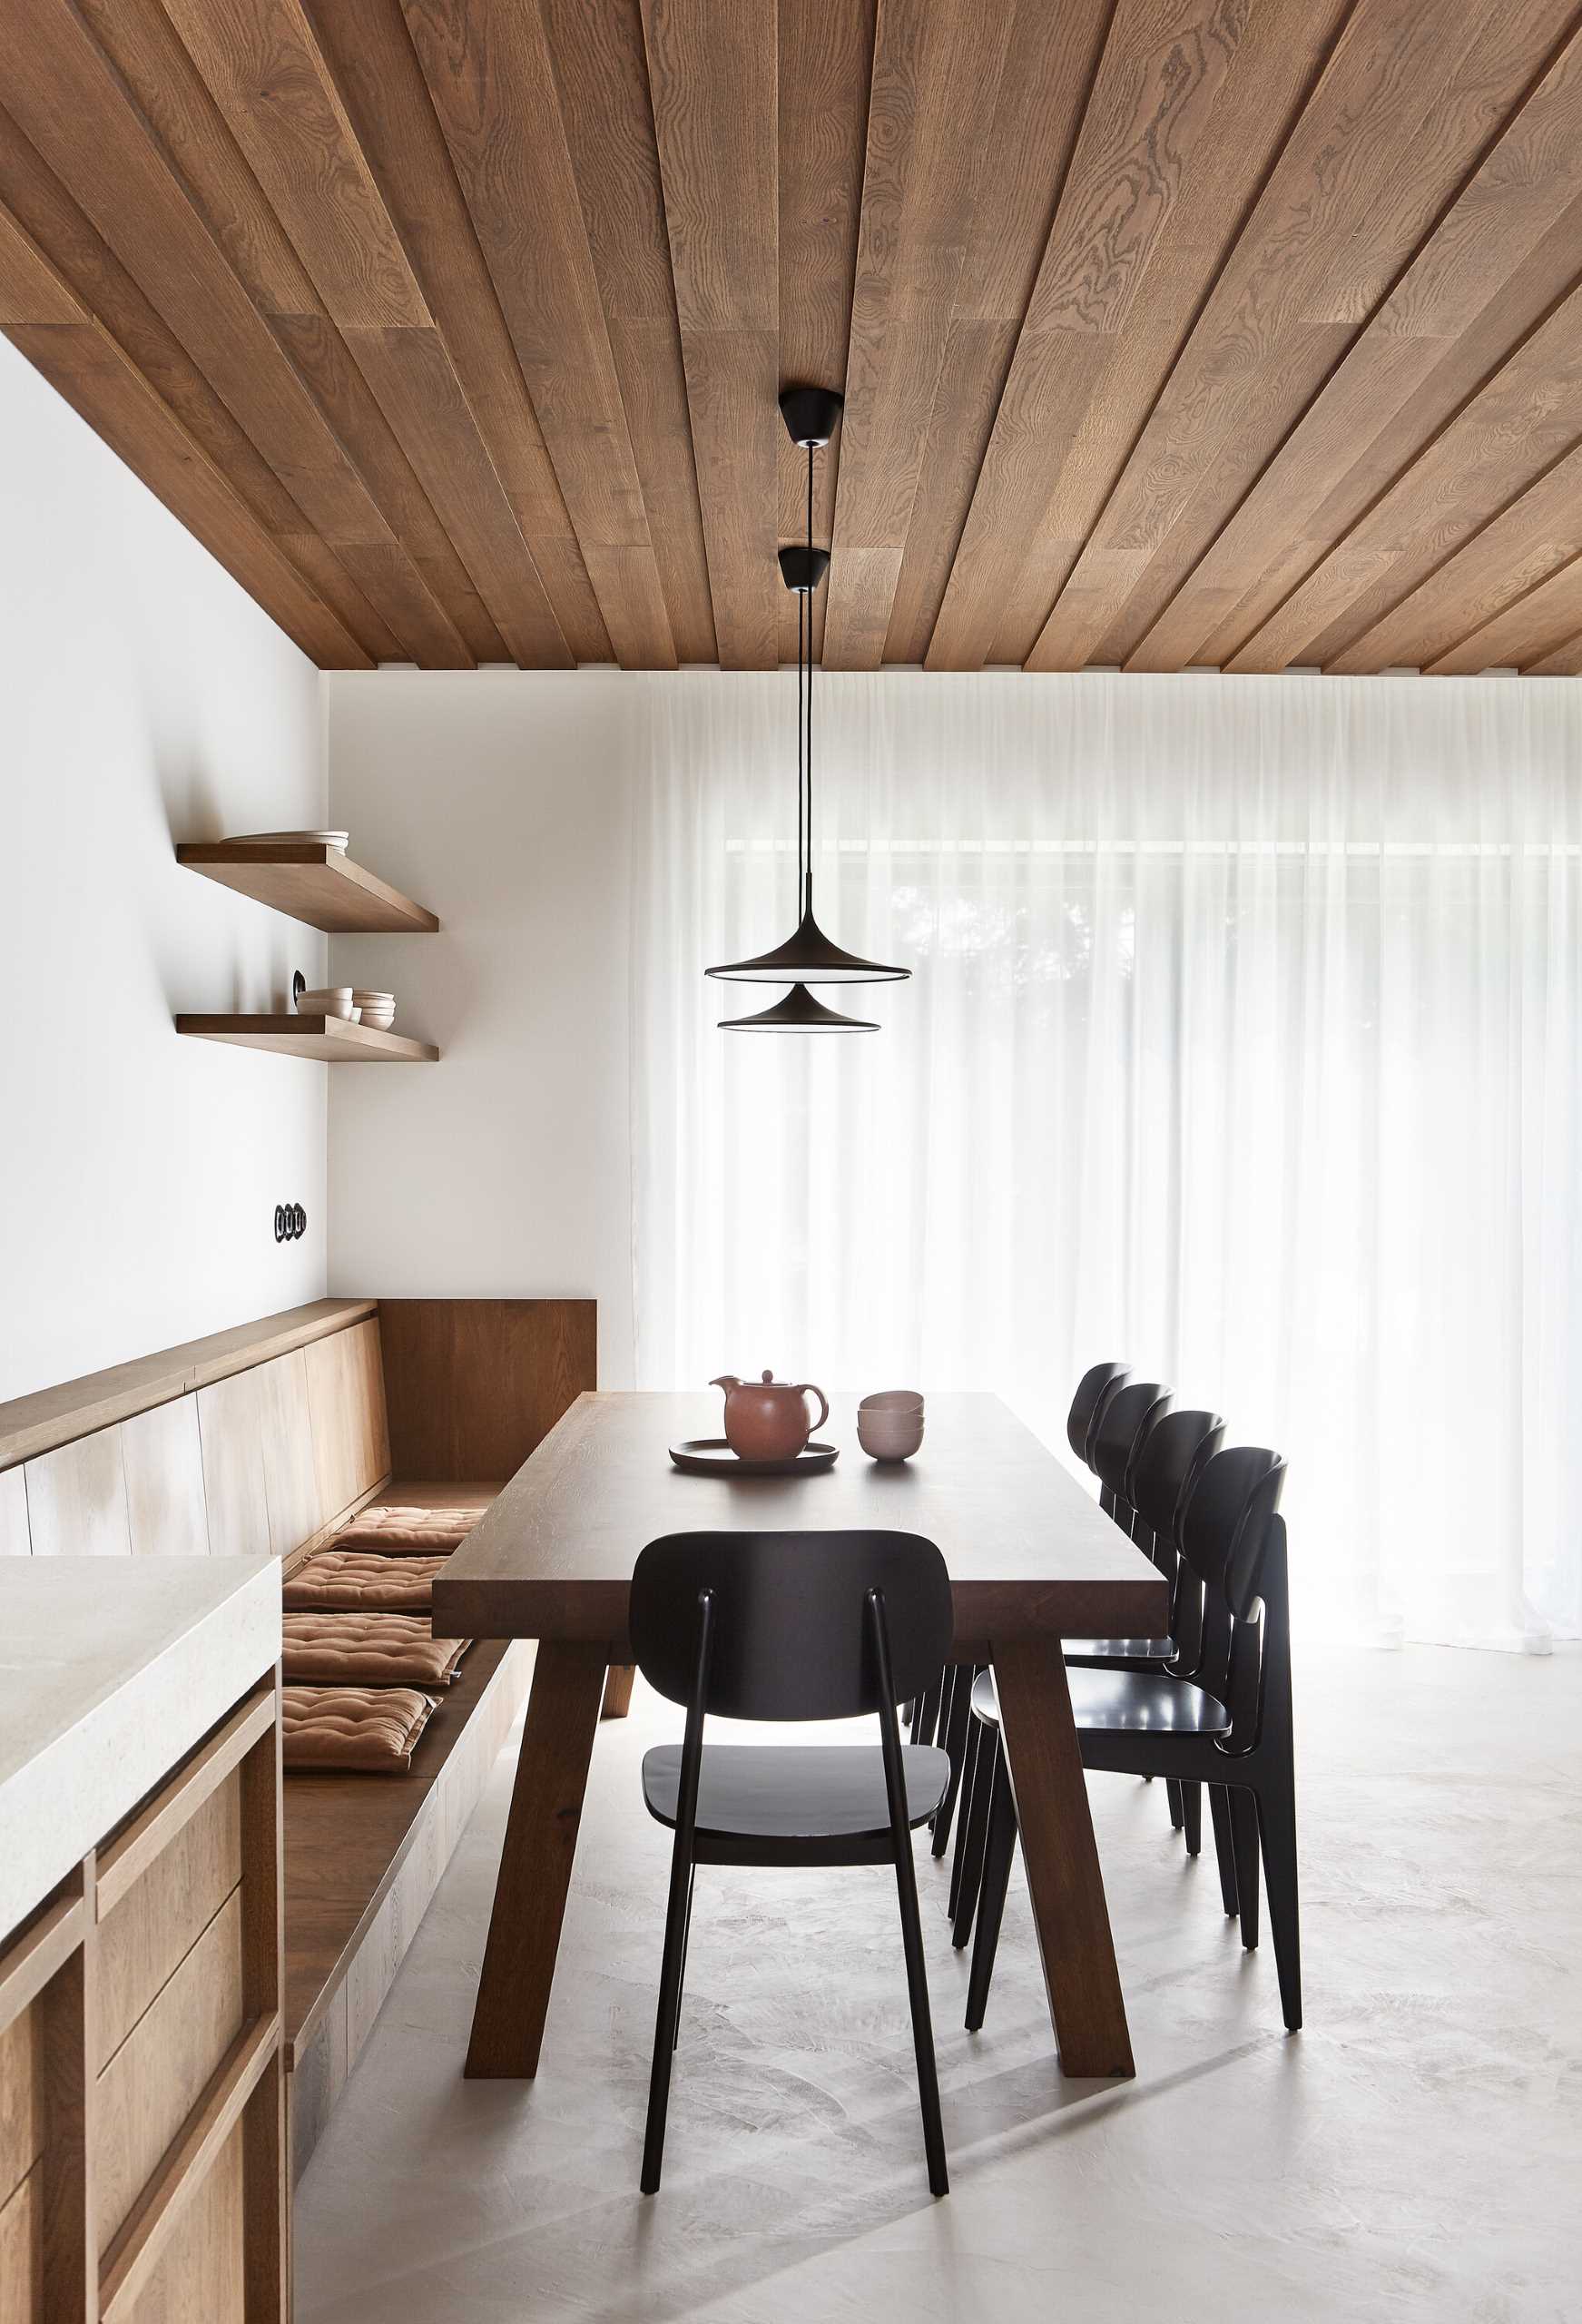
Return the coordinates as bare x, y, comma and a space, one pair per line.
111, 1670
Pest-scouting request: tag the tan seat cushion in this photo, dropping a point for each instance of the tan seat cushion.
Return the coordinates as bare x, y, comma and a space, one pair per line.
324, 1648
337, 1728
362, 1583
399, 1527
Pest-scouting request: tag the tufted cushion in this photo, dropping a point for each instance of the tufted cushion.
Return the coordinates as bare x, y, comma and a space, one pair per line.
326, 1649
395, 1527
362, 1583
372, 1728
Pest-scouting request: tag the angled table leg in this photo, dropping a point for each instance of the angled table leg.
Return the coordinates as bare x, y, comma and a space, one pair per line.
1058, 1848
552, 1774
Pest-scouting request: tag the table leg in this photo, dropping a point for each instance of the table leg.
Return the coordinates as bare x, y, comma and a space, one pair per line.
618, 1691
1058, 1849
552, 1774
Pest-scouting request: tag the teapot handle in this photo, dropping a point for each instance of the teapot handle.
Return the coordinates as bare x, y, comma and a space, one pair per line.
807, 1389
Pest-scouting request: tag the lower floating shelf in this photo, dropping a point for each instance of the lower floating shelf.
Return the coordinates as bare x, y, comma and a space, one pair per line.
333, 1040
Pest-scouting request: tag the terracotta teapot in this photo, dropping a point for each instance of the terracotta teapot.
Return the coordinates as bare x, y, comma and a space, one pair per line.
767, 1419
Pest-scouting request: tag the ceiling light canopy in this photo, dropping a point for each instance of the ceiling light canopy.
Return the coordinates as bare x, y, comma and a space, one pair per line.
807, 956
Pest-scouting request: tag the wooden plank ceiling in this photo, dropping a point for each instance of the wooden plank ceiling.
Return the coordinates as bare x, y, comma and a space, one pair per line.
1245, 333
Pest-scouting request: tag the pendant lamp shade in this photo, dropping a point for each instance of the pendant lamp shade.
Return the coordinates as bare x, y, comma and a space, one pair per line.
807, 956
798, 1012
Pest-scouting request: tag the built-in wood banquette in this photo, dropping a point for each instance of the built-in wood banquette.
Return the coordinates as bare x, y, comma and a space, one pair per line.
259, 1442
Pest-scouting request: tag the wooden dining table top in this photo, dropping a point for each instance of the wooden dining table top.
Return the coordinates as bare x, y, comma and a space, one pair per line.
1029, 1552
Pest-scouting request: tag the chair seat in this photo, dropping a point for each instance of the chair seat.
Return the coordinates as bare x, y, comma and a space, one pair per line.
1124, 1701
794, 1791
1119, 1650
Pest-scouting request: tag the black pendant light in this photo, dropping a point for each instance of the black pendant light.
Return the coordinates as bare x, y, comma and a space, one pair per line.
808, 956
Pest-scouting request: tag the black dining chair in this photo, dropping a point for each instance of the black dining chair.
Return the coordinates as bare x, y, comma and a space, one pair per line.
1150, 1482
1094, 1391
1231, 1726
790, 1628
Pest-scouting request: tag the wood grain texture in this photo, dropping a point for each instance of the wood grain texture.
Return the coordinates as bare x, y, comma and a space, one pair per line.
162, 1459
150, 1930
535, 1861
231, 1425
14, 1540
713, 77
1064, 1879
474, 1385
76, 1499
346, 1398
319, 885
454, 329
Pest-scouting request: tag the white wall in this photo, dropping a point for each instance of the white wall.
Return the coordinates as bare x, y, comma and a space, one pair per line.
144, 699
501, 800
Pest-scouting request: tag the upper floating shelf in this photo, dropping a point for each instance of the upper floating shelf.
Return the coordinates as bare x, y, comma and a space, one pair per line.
312, 882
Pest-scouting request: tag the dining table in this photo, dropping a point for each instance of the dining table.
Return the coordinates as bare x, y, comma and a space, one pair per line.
1032, 1560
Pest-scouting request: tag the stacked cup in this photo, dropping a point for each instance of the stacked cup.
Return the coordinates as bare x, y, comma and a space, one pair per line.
890, 1426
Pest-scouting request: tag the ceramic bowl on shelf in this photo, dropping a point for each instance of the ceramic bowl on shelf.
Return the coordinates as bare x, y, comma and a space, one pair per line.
327, 1000
890, 1425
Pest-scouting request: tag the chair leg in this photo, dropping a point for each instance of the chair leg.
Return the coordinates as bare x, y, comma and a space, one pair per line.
1173, 1794
922, 2023
1277, 1827
667, 2019
955, 1729
1191, 1817
1244, 1832
1219, 1808
965, 1811
686, 1930
1000, 1846
926, 1716
974, 1836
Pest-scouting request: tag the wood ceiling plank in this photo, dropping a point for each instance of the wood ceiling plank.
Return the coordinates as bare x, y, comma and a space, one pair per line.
937, 76
492, 84
263, 66
826, 69
73, 106
1536, 623
1507, 249
1051, 59
40, 204
601, 78
713, 76
41, 312
1144, 145
1406, 105
1190, 104
367, 46
1527, 415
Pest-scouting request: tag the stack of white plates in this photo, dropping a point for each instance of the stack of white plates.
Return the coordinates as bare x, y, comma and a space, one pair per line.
379, 1008
289, 839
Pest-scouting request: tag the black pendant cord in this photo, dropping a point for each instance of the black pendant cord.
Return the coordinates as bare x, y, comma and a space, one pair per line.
800, 819
808, 889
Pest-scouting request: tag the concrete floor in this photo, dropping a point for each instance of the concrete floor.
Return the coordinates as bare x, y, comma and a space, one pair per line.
1415, 2153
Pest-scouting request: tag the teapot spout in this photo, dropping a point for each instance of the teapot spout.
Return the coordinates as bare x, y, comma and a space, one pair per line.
725, 1380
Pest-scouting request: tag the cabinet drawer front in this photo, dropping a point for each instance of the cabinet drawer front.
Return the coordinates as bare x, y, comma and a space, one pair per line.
149, 1932
21, 2253
156, 2077
20, 2100
200, 2278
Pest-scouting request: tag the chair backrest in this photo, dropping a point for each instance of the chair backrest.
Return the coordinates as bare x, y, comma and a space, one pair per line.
1172, 1455
790, 1633
1123, 1426
1225, 1523
1095, 1385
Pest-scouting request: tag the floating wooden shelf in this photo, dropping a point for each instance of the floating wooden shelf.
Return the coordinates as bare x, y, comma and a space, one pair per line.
334, 1041
316, 884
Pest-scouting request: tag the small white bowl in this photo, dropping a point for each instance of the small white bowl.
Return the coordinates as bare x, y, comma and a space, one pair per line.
892, 1400
330, 1000
372, 1000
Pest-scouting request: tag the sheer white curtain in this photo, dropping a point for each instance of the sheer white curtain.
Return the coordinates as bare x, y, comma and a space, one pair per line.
1243, 1043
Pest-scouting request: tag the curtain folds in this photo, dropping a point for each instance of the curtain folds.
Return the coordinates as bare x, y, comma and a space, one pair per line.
1242, 1043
